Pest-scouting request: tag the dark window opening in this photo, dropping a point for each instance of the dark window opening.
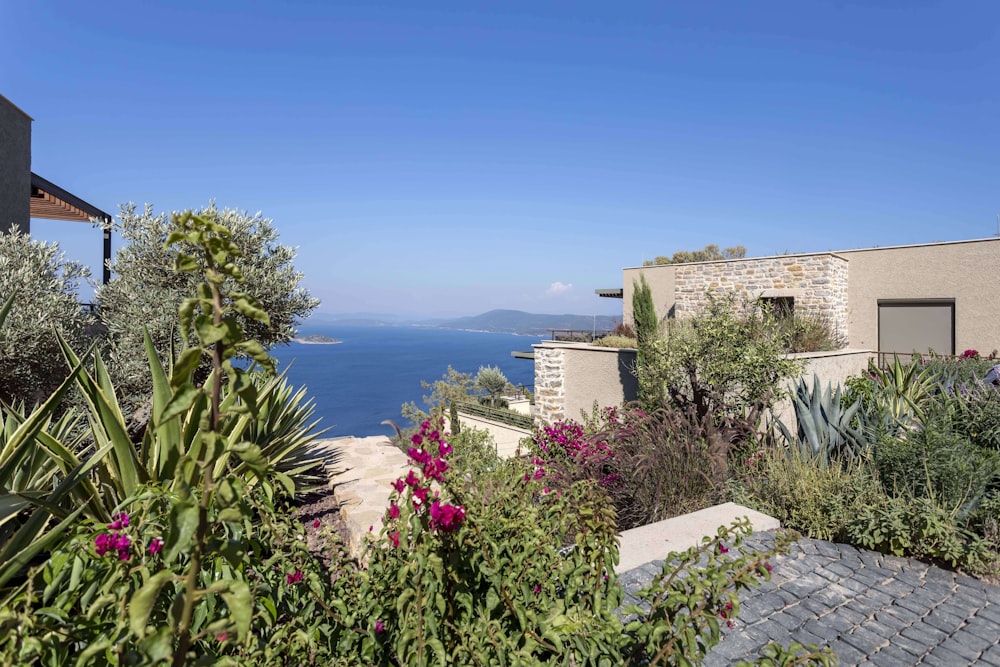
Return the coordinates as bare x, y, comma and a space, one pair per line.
782, 307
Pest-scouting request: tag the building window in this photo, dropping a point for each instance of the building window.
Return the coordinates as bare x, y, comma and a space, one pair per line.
782, 307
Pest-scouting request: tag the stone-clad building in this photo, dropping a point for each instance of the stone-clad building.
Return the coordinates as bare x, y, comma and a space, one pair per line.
943, 297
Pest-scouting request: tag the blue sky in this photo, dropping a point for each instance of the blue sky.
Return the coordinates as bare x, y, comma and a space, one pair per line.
435, 158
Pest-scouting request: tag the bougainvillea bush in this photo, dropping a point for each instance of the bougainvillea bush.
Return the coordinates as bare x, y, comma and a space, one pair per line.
652, 464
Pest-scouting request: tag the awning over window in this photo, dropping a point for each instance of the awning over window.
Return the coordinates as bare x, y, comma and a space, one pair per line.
614, 293
50, 201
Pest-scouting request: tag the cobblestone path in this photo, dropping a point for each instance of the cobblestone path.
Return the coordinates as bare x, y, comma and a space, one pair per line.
870, 608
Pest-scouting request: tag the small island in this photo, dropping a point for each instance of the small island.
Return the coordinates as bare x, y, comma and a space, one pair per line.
315, 339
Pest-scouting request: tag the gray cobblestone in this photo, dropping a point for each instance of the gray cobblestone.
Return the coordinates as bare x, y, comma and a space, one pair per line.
869, 608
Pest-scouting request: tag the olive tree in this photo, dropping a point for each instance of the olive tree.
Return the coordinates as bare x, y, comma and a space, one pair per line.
145, 291
41, 286
720, 371
491, 380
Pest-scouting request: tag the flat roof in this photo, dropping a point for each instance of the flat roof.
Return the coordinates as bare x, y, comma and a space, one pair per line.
827, 252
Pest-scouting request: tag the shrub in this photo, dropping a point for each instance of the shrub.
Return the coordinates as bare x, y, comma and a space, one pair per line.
616, 341
941, 466
808, 332
907, 527
720, 370
146, 291
651, 465
647, 330
818, 500
41, 288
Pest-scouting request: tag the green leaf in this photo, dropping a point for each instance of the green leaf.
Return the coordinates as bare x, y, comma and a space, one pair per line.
185, 263
240, 605
185, 366
181, 401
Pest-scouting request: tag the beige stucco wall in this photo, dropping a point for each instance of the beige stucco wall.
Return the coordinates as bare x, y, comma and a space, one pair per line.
661, 284
831, 367
967, 271
15, 167
506, 437
570, 377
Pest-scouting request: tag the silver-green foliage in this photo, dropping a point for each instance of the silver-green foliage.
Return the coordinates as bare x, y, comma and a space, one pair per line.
824, 424
43, 287
146, 291
491, 380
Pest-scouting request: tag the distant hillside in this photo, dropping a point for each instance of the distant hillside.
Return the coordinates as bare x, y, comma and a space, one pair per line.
520, 322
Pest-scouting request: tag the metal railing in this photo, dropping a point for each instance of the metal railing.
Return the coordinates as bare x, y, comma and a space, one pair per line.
577, 335
508, 417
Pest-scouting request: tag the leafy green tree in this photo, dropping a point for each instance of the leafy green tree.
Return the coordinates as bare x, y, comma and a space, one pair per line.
42, 285
146, 291
647, 329
492, 380
453, 386
709, 253
720, 371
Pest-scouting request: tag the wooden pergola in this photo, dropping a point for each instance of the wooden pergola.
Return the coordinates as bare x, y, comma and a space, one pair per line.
50, 201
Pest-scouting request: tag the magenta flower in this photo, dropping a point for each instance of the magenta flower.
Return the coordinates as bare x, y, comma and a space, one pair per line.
155, 546
118, 521
537, 589
446, 517
417, 439
418, 455
444, 449
394, 538
411, 479
970, 354
721, 548
379, 626
394, 511
399, 485
293, 577
103, 543
315, 523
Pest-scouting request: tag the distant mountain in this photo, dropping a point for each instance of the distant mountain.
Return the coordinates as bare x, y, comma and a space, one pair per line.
520, 322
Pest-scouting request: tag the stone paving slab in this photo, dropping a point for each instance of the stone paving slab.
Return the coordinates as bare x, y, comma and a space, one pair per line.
361, 476
871, 609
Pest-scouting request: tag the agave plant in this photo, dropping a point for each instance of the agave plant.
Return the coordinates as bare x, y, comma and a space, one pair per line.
902, 390
824, 424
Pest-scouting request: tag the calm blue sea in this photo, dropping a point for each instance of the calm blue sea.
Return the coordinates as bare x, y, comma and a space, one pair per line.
375, 370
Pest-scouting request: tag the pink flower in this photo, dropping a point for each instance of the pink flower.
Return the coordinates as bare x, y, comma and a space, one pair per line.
222, 637
419, 456
970, 354
537, 589
411, 479
721, 548
417, 439
155, 546
394, 538
444, 449
394, 511
103, 543
118, 521
446, 517
293, 577
379, 626
399, 485
315, 523
420, 496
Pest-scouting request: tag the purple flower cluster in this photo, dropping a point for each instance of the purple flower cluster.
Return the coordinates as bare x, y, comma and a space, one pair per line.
428, 454
115, 540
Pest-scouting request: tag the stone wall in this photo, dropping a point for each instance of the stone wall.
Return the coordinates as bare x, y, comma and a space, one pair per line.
571, 377
550, 386
817, 283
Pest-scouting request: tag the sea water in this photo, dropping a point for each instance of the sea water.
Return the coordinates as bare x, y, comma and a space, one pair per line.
373, 371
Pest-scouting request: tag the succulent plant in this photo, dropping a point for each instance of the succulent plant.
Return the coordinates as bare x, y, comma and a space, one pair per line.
824, 424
